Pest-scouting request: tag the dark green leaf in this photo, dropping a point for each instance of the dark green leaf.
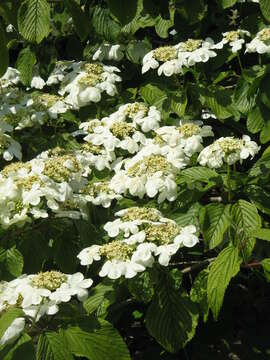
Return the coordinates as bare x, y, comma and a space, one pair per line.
80, 19
25, 64
4, 58
123, 10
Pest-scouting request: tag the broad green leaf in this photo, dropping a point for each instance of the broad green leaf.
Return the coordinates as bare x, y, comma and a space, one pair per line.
263, 234
80, 19
141, 287
136, 50
262, 166
265, 133
153, 94
222, 270
123, 10
199, 173
14, 262
25, 64
8, 317
34, 20
227, 3
198, 293
215, 223
23, 349
255, 120
265, 8
104, 25
52, 346
179, 104
246, 220
99, 299
171, 317
260, 197
163, 25
141, 20
244, 96
4, 58
97, 342
187, 217
266, 268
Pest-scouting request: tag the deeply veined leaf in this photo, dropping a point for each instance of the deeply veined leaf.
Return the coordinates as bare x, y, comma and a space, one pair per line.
222, 270
4, 58
172, 317
80, 19
262, 166
187, 217
14, 262
52, 346
104, 25
123, 10
265, 8
263, 234
96, 341
198, 293
99, 298
25, 64
255, 120
216, 222
153, 94
246, 220
260, 197
265, 133
199, 173
34, 20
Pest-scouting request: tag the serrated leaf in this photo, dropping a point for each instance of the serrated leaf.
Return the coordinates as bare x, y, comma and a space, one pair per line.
222, 270
265, 133
199, 173
266, 268
99, 299
187, 217
4, 58
25, 64
261, 167
34, 20
153, 95
80, 19
163, 25
216, 222
123, 10
246, 220
244, 96
104, 25
265, 8
255, 120
14, 262
260, 197
98, 342
263, 234
52, 346
172, 317
198, 293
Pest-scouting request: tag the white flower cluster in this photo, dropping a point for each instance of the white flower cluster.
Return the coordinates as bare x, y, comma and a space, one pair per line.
139, 235
38, 295
87, 81
261, 42
228, 150
170, 59
235, 39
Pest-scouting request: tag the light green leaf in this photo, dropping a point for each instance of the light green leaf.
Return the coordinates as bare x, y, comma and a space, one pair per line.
265, 134
4, 58
266, 268
97, 342
172, 317
262, 166
80, 19
34, 20
153, 94
187, 217
222, 270
227, 3
25, 64
52, 346
163, 25
246, 220
255, 120
123, 10
199, 173
215, 223
14, 262
99, 299
263, 234
265, 8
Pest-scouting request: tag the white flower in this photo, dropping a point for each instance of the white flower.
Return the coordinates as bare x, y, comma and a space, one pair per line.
10, 28
109, 52
90, 254
165, 253
115, 268
143, 254
194, 51
235, 39
11, 77
261, 42
187, 237
37, 82
13, 331
79, 285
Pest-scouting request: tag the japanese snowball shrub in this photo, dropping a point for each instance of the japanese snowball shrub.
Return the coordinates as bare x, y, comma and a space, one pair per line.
87, 81
260, 43
228, 150
235, 39
194, 51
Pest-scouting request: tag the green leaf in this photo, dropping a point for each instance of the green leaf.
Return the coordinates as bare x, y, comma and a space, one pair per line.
260, 197
262, 166
25, 64
23, 349
172, 317
103, 25
199, 173
215, 223
266, 268
123, 10
198, 293
153, 94
4, 58
244, 96
222, 270
227, 3
265, 8
255, 120
34, 20
187, 217
263, 234
80, 19
179, 104
246, 220
99, 299
265, 134
52, 346
96, 342
163, 25
141, 287
136, 50
8, 317
14, 262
